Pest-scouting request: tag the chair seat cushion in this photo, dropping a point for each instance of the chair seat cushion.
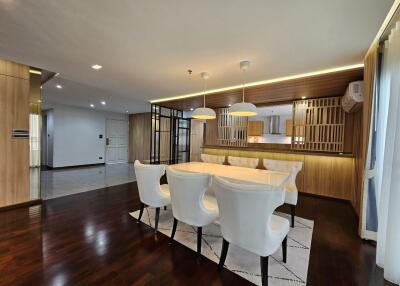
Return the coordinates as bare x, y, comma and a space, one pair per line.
279, 226
165, 194
291, 196
210, 202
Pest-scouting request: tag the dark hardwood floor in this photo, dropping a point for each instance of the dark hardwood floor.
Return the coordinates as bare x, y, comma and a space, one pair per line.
90, 238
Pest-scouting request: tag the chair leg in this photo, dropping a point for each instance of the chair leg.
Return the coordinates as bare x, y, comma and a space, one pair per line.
199, 233
293, 213
284, 249
141, 211
157, 218
174, 229
264, 270
224, 252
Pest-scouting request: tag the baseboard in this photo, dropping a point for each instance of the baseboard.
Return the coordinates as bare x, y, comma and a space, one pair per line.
21, 205
75, 166
324, 197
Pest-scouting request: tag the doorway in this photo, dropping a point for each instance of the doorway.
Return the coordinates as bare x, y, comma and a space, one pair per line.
116, 141
170, 136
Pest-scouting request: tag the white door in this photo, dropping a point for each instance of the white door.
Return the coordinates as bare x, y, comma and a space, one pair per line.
116, 141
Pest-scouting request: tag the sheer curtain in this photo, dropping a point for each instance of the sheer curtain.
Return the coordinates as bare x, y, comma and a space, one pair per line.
387, 164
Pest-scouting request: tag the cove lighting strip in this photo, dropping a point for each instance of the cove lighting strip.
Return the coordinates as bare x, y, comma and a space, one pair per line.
35, 71
268, 81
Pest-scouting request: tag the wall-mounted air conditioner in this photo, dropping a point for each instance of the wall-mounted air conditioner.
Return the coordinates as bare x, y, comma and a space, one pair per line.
353, 98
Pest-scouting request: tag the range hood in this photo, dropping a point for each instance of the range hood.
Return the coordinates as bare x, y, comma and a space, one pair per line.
272, 124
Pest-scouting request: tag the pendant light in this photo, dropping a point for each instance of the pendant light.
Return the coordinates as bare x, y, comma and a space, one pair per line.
243, 108
204, 112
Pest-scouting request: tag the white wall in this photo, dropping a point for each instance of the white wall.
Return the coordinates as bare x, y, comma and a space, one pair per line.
50, 137
76, 135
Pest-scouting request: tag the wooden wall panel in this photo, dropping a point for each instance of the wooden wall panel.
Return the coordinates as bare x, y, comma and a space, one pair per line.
357, 138
139, 136
329, 176
211, 132
14, 114
196, 139
14, 69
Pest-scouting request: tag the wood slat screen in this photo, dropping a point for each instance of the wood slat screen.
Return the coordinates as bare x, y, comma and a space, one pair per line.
232, 130
318, 125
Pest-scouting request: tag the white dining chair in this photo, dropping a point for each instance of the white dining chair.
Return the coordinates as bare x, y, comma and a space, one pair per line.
291, 192
189, 202
215, 159
247, 220
243, 162
151, 193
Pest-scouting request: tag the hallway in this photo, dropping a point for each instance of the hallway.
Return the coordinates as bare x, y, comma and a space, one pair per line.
63, 182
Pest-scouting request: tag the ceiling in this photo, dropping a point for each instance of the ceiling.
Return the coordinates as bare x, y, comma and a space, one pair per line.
81, 95
146, 47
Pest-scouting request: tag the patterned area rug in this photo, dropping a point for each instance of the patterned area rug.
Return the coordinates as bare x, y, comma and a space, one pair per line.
240, 261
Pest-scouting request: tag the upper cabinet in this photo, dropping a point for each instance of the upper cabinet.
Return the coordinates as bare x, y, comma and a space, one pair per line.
256, 128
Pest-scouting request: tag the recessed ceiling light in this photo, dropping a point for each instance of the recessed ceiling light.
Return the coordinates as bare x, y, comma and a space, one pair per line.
59, 86
96, 67
229, 105
103, 103
303, 97
191, 109
39, 101
127, 111
92, 105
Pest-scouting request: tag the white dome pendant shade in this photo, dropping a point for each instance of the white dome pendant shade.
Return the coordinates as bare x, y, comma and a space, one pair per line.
204, 112
243, 108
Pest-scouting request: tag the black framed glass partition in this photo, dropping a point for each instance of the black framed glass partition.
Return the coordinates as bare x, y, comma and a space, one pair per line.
170, 136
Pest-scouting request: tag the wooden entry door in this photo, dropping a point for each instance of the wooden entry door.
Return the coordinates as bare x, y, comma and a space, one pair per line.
116, 141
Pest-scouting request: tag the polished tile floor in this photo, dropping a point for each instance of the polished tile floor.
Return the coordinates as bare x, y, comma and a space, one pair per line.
63, 182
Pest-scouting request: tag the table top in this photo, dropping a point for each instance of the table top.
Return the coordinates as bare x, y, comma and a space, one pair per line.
258, 176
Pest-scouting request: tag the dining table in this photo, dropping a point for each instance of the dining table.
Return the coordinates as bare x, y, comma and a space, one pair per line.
242, 174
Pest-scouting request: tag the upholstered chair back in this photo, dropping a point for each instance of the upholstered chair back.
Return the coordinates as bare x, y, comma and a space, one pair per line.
243, 162
292, 167
215, 159
187, 196
245, 214
148, 181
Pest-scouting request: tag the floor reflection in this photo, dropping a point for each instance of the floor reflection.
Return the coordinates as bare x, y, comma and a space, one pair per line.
58, 183
34, 174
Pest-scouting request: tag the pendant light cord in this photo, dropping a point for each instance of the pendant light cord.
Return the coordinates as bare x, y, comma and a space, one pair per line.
204, 95
243, 86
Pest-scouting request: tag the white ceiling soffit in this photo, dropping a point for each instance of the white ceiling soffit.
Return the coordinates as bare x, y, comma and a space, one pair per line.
80, 95
145, 47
